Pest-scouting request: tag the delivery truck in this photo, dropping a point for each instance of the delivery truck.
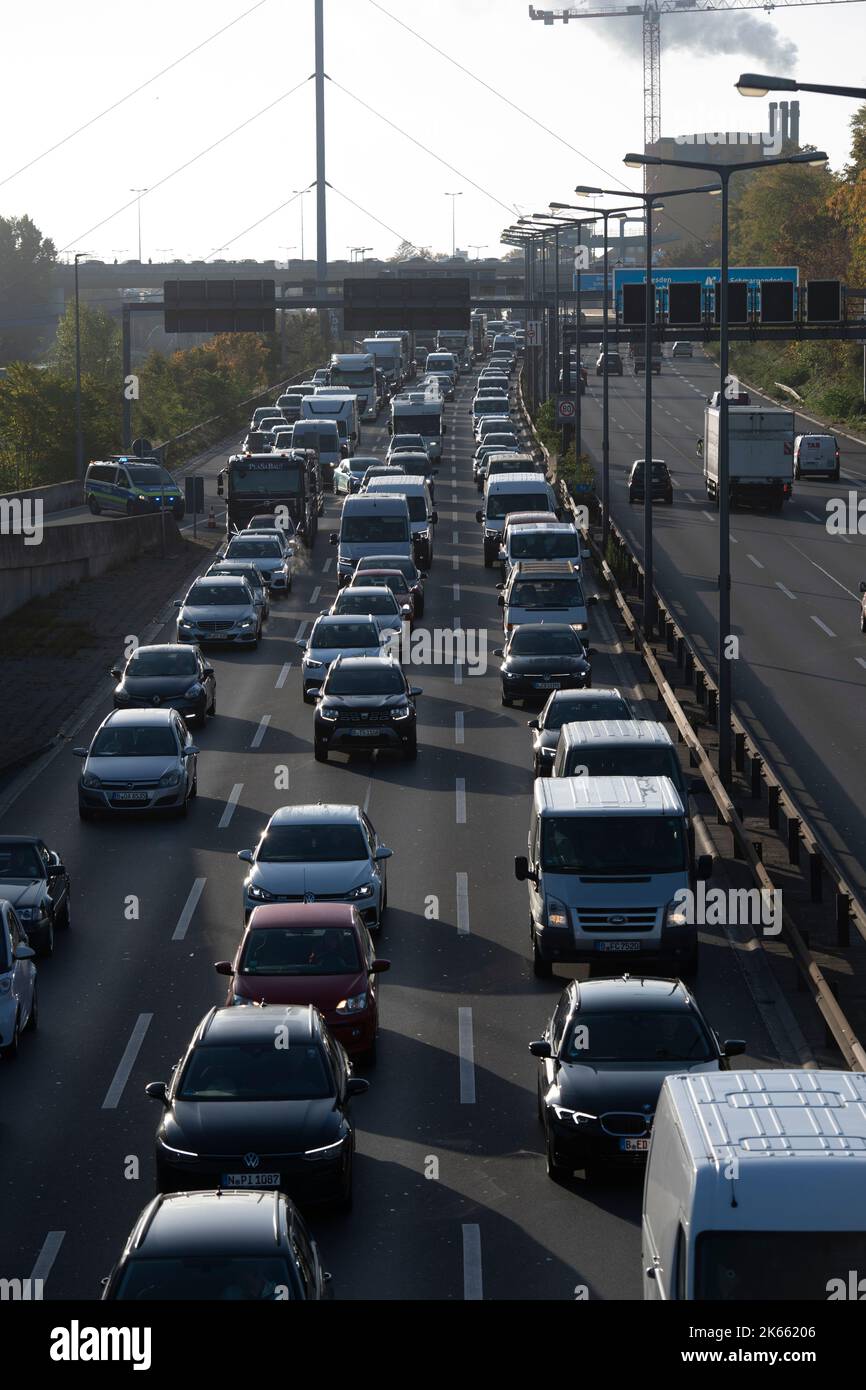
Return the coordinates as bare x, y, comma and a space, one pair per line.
760, 455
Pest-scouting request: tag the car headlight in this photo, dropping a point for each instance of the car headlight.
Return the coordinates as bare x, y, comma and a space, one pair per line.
247, 622
490, 535
676, 914
353, 1005
121, 694
194, 691
577, 1117
6, 984
311, 664
142, 498
557, 913
365, 891
259, 895
401, 711
31, 914
579, 627
89, 780
185, 624
176, 1155
327, 1151
169, 779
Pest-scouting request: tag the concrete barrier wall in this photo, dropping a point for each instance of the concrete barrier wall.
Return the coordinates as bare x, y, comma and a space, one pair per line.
55, 497
68, 554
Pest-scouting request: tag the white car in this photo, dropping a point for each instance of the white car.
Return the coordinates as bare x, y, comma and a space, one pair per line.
540, 592
376, 601
816, 455
17, 982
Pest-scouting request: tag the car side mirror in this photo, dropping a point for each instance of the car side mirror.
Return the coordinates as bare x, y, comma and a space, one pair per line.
434, 517
533, 724
219, 486
56, 869
189, 750
704, 868
23, 952
246, 855
116, 672
589, 652
314, 694
415, 690
333, 538
301, 642
479, 516
223, 967
157, 1090
356, 1086
501, 600
383, 853
178, 603
593, 598
863, 586
498, 651
379, 967
522, 871
500, 587
208, 670
733, 1047
80, 752
541, 1049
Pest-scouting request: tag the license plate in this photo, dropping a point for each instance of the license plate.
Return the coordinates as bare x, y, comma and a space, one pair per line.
250, 1180
366, 733
545, 685
634, 1146
129, 796
617, 945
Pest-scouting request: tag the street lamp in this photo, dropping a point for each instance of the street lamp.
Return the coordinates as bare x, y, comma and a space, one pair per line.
474, 246
453, 196
79, 432
140, 192
756, 84
723, 172
555, 223
301, 193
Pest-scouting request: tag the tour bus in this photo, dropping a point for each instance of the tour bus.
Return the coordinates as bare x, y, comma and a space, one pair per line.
343, 408
420, 412
356, 371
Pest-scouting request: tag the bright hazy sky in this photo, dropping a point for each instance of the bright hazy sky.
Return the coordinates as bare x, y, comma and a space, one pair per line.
584, 81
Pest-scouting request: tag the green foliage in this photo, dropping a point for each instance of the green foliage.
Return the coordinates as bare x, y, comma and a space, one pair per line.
26, 261
100, 344
37, 425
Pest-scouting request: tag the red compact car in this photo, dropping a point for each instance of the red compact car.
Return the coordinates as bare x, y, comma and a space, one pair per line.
311, 953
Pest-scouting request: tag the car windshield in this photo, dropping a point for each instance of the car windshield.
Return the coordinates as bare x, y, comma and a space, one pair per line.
330, 634
170, 663
390, 562
216, 595
616, 845
395, 582
300, 951
756, 1266
544, 545
501, 503
625, 762
534, 640
255, 1071
362, 601
209, 1278
656, 1035
254, 549
374, 529
20, 861
149, 477
318, 843
573, 711
372, 680
428, 424
134, 741
406, 441
547, 593
253, 577
277, 479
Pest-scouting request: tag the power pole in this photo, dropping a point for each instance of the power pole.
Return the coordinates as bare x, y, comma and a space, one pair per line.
321, 225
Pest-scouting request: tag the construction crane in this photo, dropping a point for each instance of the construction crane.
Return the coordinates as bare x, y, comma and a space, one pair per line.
652, 10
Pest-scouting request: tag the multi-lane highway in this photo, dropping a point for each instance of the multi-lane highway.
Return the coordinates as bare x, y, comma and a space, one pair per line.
801, 672
451, 1196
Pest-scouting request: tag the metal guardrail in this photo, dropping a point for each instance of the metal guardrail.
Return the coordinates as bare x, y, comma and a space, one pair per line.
848, 906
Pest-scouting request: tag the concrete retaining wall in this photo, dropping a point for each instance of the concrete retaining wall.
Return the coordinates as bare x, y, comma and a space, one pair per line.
68, 554
55, 497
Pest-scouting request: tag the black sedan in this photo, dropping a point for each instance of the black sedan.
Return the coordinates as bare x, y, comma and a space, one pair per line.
661, 483
170, 675
260, 1100
36, 883
540, 657
366, 702
602, 1060
219, 1245
568, 707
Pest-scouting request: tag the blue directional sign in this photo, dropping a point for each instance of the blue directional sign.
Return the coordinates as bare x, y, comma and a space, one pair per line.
707, 275
590, 282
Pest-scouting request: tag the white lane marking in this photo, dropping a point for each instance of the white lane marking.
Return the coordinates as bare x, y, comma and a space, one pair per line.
190, 906
455, 562
814, 517
861, 661
260, 731
836, 581
458, 726
369, 791
707, 515
460, 799
462, 904
301, 628
688, 496
734, 540
326, 567
455, 536
454, 497
755, 562
473, 1288
823, 626
466, 1045
234, 798
314, 596
127, 1062
47, 1255
457, 593
781, 586
458, 673
283, 676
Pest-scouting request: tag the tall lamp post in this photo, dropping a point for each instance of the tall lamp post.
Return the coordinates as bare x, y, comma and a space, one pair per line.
453, 197
756, 84
723, 173
79, 430
300, 193
140, 192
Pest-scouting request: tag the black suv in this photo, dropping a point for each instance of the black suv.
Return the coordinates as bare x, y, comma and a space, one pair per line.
219, 1245
614, 364
661, 484
366, 702
35, 882
540, 657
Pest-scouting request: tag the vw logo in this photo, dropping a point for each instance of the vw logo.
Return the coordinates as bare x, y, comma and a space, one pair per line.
155, 699
309, 897
251, 1160
617, 920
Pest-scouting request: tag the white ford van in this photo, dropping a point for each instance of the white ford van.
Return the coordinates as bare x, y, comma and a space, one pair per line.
371, 525
511, 492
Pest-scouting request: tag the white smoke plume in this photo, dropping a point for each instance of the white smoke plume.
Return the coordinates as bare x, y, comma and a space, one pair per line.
705, 33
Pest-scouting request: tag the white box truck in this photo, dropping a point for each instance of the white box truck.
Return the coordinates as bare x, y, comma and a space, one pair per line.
387, 353
342, 408
356, 372
760, 455
755, 1187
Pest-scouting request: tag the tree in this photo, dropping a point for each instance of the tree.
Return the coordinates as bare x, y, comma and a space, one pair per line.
26, 263
857, 165
407, 251
784, 216
100, 344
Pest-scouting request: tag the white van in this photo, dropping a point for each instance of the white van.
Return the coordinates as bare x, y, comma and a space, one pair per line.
755, 1188
558, 540
545, 591
339, 407
511, 492
324, 437
607, 857
816, 455
371, 525
422, 514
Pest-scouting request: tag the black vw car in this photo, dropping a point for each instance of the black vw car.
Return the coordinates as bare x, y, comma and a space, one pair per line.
540, 657
169, 675
567, 707
35, 882
261, 1099
602, 1060
365, 702
661, 483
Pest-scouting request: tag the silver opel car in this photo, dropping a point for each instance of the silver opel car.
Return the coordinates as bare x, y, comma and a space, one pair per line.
219, 608
139, 760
